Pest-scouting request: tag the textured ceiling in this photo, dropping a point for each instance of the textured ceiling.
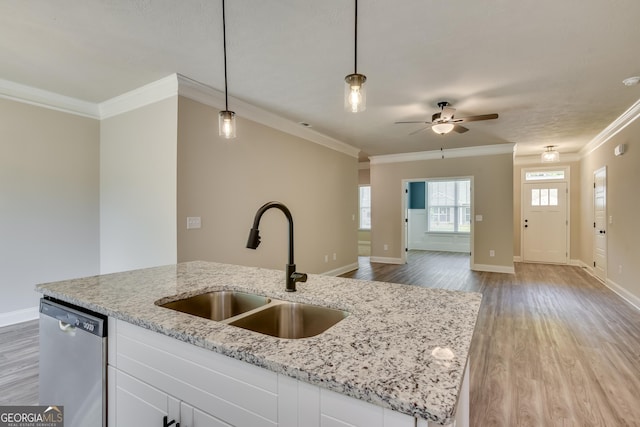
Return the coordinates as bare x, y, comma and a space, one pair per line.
552, 70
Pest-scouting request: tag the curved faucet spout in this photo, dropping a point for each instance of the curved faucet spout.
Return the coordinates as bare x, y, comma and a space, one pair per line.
254, 240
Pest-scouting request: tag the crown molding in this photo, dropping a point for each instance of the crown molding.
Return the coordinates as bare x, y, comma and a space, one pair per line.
172, 85
207, 95
610, 131
51, 100
452, 153
144, 95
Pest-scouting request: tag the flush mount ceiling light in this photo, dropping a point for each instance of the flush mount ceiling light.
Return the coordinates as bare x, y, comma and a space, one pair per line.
442, 128
550, 154
355, 96
226, 118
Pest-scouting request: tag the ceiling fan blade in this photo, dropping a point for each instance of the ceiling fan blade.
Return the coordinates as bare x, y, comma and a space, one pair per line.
447, 113
420, 130
477, 118
421, 121
460, 129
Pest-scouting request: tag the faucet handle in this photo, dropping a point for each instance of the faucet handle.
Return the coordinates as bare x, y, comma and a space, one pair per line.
299, 277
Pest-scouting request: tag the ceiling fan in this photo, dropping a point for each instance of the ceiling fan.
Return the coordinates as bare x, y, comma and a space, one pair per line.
444, 121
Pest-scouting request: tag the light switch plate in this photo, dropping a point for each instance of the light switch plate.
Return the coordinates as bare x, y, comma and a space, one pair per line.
193, 222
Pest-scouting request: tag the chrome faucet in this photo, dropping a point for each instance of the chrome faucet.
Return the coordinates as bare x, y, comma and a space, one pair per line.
291, 276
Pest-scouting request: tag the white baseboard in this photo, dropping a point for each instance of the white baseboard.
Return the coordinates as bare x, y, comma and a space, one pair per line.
18, 316
386, 260
623, 293
341, 270
493, 268
517, 258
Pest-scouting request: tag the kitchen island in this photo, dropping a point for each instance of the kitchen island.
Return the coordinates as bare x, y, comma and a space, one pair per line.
401, 348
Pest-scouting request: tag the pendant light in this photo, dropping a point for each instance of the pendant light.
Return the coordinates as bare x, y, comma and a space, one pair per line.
226, 118
355, 96
550, 154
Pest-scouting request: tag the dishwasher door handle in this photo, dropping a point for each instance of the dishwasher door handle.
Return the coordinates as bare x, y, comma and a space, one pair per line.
66, 327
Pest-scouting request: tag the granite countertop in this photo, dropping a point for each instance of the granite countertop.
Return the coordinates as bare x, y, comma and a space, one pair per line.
402, 347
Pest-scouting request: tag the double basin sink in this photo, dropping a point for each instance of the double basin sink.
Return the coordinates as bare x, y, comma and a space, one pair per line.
282, 319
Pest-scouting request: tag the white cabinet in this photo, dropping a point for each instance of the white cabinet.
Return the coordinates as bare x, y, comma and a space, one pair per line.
152, 375
193, 417
138, 404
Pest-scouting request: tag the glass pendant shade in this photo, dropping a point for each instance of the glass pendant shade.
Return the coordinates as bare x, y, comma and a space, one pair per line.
355, 94
550, 155
227, 124
442, 128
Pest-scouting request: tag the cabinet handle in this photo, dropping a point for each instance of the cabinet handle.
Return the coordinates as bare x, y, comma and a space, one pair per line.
167, 423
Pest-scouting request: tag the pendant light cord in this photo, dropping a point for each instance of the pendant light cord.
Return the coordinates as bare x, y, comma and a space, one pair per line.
355, 51
224, 47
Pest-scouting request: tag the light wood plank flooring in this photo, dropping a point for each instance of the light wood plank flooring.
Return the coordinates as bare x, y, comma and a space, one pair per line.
19, 364
553, 346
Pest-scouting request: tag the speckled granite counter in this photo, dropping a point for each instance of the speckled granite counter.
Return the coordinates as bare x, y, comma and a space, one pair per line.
402, 347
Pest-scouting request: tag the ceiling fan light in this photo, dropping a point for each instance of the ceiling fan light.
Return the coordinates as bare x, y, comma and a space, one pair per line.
442, 128
550, 154
355, 93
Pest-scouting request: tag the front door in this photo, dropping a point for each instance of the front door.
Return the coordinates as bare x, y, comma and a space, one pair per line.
545, 225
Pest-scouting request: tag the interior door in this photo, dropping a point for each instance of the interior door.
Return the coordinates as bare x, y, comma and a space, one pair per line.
545, 225
600, 223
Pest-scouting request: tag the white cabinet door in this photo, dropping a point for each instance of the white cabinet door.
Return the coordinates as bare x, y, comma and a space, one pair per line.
140, 405
193, 417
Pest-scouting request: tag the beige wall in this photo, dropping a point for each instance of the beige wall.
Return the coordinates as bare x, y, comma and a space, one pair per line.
225, 181
493, 199
364, 176
49, 206
138, 187
575, 214
623, 205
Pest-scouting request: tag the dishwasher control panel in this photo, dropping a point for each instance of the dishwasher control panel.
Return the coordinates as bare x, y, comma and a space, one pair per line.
73, 317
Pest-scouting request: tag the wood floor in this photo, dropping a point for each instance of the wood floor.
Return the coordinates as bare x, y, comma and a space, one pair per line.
19, 352
552, 347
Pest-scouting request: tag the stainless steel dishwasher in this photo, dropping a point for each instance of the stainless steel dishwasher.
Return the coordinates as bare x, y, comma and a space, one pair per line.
73, 363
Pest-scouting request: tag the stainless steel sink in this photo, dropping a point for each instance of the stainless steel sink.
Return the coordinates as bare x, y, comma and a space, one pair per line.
218, 305
291, 320
260, 314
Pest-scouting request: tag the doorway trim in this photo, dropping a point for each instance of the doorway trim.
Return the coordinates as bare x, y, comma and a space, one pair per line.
405, 210
567, 180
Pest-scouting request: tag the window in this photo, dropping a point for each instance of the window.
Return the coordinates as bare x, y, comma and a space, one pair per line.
365, 207
544, 175
449, 206
544, 197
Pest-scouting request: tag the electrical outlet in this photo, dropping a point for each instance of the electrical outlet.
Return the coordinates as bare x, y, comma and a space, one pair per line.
492, 253
386, 247
193, 222
326, 258
334, 256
